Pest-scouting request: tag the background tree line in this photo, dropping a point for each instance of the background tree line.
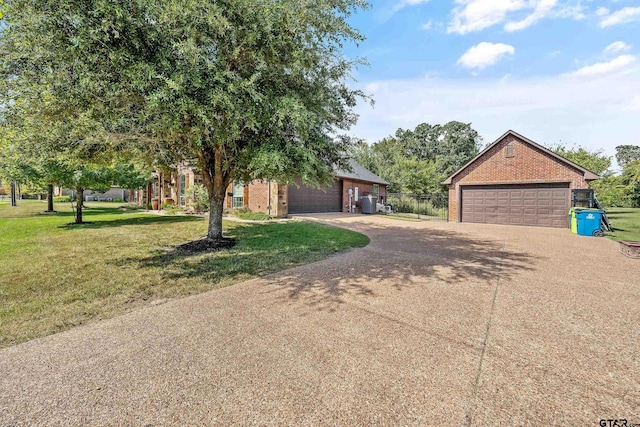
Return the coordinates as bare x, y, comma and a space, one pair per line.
417, 161
622, 190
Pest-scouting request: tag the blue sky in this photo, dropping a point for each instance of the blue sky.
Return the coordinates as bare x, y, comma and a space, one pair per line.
554, 70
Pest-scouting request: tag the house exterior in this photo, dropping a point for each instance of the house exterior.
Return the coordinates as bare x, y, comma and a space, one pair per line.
515, 181
281, 200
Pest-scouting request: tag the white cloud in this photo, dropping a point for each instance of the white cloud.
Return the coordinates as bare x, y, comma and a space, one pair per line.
602, 68
622, 16
484, 54
427, 26
602, 11
616, 47
406, 3
475, 15
571, 11
596, 113
541, 11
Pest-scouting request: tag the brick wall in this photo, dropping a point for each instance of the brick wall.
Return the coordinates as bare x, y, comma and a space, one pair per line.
256, 198
525, 164
363, 189
258, 195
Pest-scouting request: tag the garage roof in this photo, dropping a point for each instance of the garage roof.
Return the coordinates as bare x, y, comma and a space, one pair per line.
359, 173
588, 175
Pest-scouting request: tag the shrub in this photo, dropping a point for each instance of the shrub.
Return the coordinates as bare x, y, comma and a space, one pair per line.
237, 211
198, 198
410, 204
254, 216
173, 209
61, 199
131, 207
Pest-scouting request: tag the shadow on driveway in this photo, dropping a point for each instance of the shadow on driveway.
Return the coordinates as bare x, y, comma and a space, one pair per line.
399, 257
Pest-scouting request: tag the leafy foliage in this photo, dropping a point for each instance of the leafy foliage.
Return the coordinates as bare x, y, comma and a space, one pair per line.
631, 178
251, 89
198, 198
626, 154
611, 190
595, 161
417, 161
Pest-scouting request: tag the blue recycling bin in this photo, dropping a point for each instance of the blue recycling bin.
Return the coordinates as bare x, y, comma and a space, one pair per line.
588, 222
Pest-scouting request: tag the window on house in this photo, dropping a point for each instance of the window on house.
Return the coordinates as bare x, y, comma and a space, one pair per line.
238, 194
510, 151
376, 192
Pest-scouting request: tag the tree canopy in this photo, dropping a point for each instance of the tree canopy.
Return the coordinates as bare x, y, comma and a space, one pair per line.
612, 190
626, 154
417, 161
595, 161
249, 88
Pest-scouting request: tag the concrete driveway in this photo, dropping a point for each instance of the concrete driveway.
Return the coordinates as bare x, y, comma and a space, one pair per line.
431, 324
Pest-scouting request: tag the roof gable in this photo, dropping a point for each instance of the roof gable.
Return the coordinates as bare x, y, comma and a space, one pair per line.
588, 175
360, 173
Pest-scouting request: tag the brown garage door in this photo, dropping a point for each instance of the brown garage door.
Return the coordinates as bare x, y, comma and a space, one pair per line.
544, 205
304, 199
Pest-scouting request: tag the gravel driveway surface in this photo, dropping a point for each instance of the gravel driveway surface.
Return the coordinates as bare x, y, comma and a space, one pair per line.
431, 324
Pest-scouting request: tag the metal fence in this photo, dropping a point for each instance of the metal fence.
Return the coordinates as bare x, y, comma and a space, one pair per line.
421, 206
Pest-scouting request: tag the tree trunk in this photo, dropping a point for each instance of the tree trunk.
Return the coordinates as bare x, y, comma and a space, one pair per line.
216, 180
79, 198
216, 209
13, 194
50, 198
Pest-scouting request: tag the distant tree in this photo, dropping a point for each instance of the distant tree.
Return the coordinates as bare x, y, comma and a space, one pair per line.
595, 161
626, 154
417, 161
612, 191
631, 178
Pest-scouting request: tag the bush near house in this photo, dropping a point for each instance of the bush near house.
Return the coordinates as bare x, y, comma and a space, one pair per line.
198, 198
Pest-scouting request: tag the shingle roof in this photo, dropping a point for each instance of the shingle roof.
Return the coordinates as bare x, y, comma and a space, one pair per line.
360, 173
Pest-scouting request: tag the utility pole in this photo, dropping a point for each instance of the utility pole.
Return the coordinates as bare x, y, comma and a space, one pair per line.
13, 193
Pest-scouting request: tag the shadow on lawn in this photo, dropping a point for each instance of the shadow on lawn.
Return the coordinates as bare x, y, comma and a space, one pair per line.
135, 217
398, 258
260, 249
141, 220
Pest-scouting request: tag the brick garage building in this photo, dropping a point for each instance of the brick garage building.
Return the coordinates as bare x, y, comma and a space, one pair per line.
515, 181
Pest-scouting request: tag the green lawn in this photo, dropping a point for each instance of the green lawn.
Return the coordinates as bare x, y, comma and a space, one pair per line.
54, 277
626, 223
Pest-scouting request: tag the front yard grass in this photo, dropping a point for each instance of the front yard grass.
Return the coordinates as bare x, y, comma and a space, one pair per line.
53, 277
626, 223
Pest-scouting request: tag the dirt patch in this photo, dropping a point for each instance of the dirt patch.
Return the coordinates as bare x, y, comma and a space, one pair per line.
205, 245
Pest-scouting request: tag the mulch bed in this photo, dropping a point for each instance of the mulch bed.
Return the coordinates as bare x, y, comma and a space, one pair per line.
205, 245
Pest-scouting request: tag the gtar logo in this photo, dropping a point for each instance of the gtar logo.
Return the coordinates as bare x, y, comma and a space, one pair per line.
590, 216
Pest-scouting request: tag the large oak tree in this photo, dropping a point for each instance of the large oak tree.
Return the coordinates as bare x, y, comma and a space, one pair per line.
249, 88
